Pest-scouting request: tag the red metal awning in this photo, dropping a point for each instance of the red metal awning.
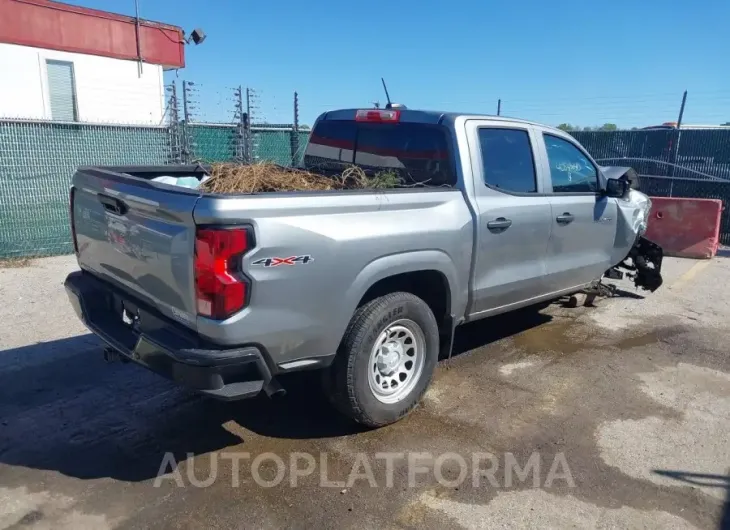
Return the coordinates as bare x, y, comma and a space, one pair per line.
65, 27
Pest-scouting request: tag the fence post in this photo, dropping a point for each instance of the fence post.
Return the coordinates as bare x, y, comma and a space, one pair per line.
294, 135
678, 134
174, 125
186, 151
249, 135
246, 124
240, 126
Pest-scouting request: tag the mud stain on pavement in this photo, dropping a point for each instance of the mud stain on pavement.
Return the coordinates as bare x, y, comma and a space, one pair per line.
560, 395
702, 398
560, 337
20, 508
509, 510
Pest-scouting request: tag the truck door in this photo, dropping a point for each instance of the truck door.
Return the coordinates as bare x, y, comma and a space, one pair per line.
583, 220
513, 217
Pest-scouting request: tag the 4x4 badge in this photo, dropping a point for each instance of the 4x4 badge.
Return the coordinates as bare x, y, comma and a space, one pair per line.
292, 260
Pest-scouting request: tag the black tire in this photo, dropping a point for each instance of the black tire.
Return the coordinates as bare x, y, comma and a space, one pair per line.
346, 381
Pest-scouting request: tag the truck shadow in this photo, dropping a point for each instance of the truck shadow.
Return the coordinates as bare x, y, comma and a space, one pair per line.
704, 481
62, 408
478, 334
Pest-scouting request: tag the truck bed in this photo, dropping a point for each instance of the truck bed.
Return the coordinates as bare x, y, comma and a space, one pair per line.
310, 251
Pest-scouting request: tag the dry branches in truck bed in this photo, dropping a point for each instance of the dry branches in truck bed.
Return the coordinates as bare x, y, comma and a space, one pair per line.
268, 177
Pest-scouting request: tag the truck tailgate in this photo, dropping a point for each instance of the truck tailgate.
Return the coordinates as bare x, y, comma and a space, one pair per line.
139, 235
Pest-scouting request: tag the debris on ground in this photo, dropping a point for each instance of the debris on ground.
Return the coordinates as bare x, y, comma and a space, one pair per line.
269, 177
15, 263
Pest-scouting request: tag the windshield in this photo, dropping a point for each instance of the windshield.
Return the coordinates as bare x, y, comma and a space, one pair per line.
418, 152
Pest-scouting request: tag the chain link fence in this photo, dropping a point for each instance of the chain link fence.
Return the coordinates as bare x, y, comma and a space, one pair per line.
693, 153
693, 163
211, 143
38, 159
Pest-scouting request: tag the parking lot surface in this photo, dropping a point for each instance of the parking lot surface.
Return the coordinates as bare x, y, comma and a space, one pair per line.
616, 416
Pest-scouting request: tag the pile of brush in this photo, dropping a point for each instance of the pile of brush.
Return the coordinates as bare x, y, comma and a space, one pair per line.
268, 177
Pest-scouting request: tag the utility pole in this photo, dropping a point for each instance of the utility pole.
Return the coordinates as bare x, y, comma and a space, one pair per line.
174, 115
251, 147
251, 103
186, 114
175, 133
678, 135
295, 131
241, 126
681, 109
186, 119
499, 107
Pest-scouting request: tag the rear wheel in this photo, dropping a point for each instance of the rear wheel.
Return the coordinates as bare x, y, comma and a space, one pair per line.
385, 361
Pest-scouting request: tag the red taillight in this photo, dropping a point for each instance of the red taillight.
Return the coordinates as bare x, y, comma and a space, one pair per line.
378, 115
71, 217
220, 288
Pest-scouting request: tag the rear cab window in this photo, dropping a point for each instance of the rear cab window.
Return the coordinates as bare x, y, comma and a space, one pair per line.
418, 152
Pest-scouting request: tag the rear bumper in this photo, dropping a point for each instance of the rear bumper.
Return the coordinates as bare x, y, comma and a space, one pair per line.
166, 347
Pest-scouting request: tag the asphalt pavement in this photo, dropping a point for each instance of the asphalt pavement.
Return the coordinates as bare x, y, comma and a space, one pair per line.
616, 416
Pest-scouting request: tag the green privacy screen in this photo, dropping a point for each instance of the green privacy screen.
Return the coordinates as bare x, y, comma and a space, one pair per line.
212, 143
38, 159
221, 143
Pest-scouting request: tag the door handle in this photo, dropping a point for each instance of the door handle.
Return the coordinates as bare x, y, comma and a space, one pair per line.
500, 223
112, 204
565, 219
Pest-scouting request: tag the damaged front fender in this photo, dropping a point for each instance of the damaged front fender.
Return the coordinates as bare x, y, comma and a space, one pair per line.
643, 261
643, 265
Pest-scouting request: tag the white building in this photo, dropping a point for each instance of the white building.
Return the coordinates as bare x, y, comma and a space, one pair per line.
66, 63
53, 85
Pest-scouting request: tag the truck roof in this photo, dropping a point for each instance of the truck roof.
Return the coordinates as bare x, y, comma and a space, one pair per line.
429, 116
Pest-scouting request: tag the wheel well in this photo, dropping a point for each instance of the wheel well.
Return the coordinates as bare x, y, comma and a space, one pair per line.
430, 286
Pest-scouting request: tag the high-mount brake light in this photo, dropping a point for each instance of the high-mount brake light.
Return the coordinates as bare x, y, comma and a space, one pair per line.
378, 115
220, 289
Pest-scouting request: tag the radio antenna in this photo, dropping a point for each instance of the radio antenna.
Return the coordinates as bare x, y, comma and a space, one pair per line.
387, 96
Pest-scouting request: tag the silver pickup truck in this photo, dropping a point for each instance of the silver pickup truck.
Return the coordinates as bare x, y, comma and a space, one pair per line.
224, 293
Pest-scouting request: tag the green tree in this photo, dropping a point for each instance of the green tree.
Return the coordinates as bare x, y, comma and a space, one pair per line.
608, 127
566, 127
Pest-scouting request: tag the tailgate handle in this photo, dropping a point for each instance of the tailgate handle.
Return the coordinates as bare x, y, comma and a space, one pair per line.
112, 204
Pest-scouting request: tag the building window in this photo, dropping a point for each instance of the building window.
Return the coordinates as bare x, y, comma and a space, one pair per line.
62, 90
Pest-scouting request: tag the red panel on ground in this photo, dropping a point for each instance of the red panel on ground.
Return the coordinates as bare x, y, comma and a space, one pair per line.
64, 27
687, 228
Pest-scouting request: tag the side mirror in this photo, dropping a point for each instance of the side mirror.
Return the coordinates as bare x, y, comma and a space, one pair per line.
617, 188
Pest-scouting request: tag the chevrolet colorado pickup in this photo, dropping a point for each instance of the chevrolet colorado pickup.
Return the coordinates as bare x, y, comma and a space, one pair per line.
224, 293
